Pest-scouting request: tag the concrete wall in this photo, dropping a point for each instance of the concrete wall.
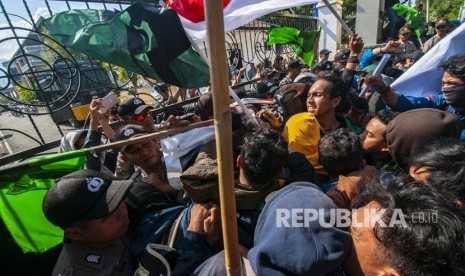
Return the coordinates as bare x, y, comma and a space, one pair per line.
368, 21
330, 35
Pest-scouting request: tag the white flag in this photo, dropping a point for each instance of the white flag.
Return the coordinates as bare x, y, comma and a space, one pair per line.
424, 78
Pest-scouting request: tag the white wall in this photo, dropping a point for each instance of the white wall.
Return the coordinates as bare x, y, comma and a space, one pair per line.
330, 35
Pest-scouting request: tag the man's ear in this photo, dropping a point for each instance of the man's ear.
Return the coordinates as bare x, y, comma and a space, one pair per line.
385, 147
73, 233
420, 173
389, 271
239, 161
124, 158
336, 101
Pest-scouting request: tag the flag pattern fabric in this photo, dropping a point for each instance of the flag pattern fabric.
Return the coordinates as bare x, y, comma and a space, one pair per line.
143, 38
236, 13
302, 43
23, 187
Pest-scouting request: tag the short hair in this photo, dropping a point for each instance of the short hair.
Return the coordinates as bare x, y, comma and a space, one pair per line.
340, 152
264, 152
445, 160
455, 65
432, 247
386, 116
338, 88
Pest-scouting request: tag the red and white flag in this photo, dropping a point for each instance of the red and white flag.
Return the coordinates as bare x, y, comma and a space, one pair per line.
236, 13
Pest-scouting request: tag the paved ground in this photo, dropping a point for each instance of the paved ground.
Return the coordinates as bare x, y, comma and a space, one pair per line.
13, 141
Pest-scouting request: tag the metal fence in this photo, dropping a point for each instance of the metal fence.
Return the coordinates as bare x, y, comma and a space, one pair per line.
40, 78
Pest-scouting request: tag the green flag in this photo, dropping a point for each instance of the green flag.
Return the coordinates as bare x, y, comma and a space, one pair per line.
302, 43
415, 18
143, 38
23, 187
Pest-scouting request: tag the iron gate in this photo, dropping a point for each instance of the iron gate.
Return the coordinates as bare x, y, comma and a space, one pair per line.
43, 81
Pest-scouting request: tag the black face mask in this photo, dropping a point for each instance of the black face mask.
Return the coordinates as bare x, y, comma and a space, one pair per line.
455, 95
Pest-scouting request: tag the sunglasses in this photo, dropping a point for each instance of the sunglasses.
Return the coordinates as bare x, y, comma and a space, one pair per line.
140, 117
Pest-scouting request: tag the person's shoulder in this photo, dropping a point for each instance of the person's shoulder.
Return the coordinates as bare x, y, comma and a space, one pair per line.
64, 265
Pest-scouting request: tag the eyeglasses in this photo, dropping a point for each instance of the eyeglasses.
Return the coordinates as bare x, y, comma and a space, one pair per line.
140, 117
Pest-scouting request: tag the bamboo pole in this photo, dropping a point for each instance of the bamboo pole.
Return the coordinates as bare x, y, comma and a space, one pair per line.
223, 132
150, 136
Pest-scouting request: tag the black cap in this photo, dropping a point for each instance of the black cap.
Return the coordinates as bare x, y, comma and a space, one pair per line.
325, 51
128, 131
132, 106
342, 55
83, 195
296, 64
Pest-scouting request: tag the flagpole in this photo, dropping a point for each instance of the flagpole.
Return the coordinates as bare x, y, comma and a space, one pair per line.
338, 17
149, 136
223, 132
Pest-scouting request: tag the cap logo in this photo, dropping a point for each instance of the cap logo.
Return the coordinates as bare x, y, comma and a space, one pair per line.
128, 132
94, 183
93, 259
137, 101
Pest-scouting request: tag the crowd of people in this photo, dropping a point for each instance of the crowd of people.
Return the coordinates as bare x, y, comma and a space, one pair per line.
394, 163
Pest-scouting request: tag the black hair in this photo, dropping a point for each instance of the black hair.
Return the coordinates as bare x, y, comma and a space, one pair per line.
338, 88
356, 101
386, 116
445, 159
264, 152
340, 152
455, 65
428, 238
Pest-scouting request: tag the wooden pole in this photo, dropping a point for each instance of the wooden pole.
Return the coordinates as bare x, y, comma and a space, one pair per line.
156, 135
223, 132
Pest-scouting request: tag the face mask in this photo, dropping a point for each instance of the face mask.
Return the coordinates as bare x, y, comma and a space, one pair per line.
455, 95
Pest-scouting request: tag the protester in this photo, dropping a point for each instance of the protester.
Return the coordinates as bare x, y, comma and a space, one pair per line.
136, 111
374, 142
406, 228
294, 67
451, 99
252, 71
293, 248
340, 152
73, 140
441, 164
411, 130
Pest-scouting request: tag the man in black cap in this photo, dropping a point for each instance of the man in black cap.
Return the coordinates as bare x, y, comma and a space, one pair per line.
442, 25
294, 68
89, 207
324, 64
340, 59
146, 156
324, 54
136, 111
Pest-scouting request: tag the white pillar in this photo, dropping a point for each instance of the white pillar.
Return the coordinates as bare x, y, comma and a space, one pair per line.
368, 24
330, 35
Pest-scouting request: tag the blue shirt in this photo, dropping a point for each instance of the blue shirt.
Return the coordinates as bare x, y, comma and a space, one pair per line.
405, 103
